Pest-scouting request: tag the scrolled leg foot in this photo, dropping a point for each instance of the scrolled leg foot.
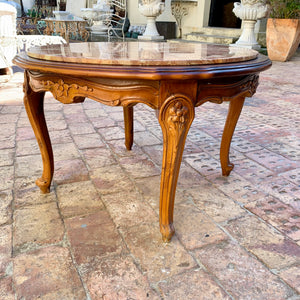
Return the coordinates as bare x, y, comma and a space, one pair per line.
167, 231
226, 170
44, 185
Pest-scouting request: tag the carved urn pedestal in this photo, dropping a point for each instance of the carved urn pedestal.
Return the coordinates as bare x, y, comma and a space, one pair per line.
250, 11
151, 9
96, 17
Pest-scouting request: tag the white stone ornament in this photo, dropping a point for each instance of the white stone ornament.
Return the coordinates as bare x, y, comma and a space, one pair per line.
250, 11
151, 9
97, 16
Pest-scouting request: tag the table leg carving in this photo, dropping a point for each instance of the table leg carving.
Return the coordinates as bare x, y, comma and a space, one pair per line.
34, 105
175, 117
128, 123
235, 108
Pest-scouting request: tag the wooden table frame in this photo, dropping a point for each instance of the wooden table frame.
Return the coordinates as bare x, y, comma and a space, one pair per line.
174, 91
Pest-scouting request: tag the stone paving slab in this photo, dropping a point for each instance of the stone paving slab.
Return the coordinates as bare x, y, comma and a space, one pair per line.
118, 278
47, 273
96, 235
241, 274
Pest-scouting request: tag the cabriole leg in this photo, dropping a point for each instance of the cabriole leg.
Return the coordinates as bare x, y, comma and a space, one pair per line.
34, 104
128, 123
175, 118
235, 108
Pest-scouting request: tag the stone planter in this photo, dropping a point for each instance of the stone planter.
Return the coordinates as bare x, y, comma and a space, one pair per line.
283, 38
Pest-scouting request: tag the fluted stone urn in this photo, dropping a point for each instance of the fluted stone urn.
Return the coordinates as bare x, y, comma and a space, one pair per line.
151, 9
97, 16
250, 11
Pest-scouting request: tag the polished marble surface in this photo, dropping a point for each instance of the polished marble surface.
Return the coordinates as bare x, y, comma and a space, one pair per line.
143, 53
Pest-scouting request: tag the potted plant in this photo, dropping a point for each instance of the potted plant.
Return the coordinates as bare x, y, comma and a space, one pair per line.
283, 29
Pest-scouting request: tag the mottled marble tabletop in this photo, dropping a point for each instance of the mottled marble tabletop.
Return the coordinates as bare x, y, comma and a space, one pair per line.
143, 53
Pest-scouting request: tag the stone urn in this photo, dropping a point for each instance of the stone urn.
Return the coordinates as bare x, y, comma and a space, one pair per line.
151, 9
62, 15
250, 11
97, 16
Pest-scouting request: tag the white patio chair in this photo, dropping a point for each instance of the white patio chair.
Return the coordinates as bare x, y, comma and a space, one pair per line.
11, 43
116, 20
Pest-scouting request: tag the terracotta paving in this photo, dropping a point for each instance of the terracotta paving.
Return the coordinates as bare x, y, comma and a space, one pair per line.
96, 235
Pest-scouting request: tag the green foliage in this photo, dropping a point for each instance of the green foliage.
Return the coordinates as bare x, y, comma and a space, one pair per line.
285, 9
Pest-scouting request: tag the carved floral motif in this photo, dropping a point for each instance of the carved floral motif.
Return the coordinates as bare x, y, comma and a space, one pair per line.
65, 92
251, 85
215, 93
177, 114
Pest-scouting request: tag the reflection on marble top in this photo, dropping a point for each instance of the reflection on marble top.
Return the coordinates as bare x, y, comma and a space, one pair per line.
143, 53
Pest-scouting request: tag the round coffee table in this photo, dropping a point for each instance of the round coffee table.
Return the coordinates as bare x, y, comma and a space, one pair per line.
172, 78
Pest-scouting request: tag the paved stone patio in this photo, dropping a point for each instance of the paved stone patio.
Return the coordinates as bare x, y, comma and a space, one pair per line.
96, 235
